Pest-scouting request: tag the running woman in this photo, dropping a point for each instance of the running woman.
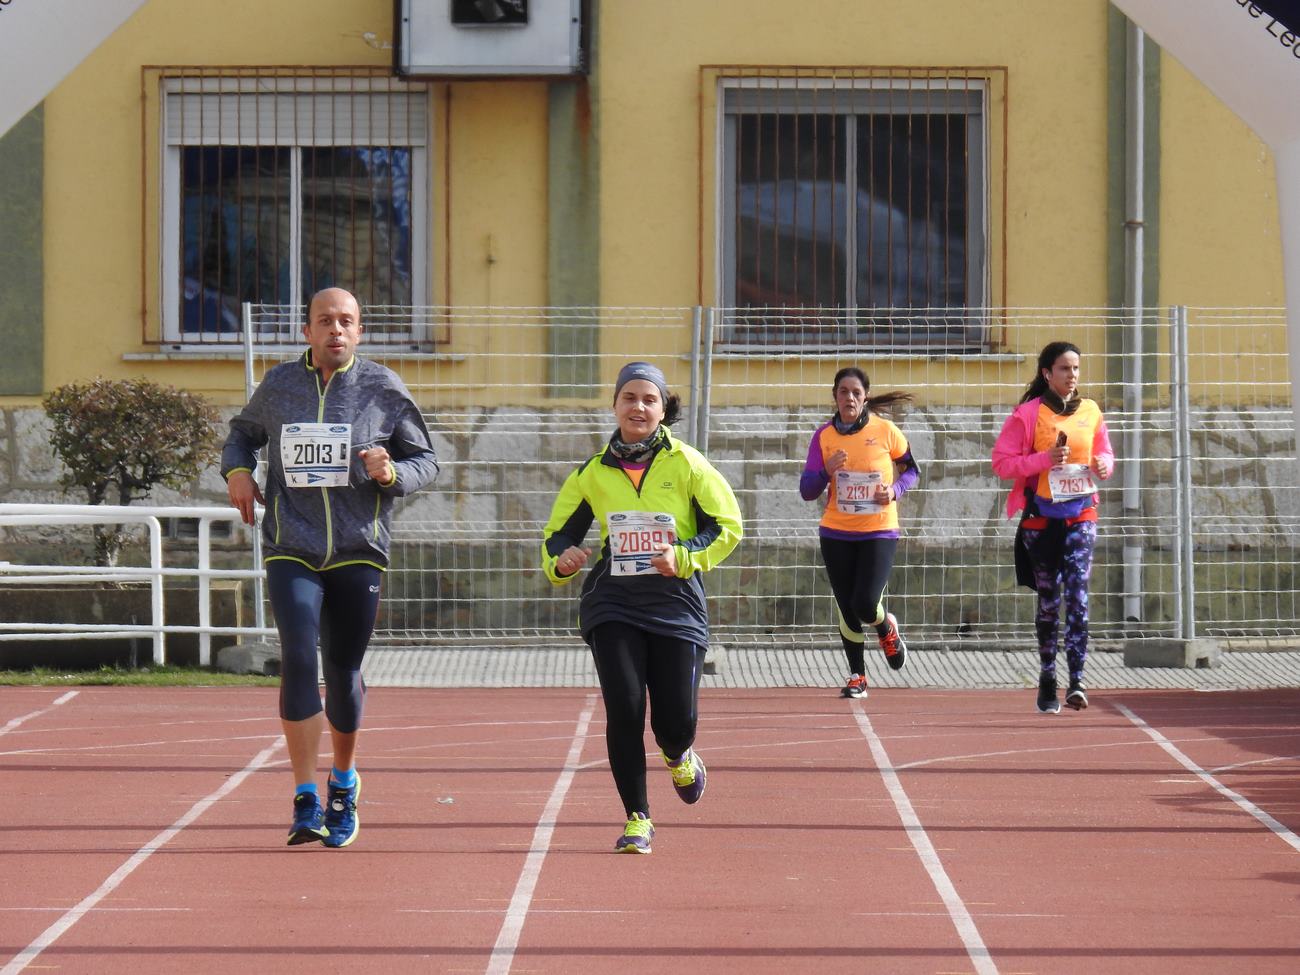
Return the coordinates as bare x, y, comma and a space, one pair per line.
1050, 447
343, 439
866, 463
666, 516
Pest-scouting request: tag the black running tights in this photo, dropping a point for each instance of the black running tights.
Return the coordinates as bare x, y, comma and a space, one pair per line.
630, 662
858, 572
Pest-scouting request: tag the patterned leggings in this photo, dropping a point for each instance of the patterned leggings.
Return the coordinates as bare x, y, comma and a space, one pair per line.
1069, 578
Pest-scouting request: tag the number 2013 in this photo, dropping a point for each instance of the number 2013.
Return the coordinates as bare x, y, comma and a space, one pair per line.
313, 453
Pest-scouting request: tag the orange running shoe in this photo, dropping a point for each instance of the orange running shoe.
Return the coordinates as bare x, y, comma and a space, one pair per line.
893, 645
855, 686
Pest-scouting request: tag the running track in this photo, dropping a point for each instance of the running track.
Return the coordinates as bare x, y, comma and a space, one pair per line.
141, 832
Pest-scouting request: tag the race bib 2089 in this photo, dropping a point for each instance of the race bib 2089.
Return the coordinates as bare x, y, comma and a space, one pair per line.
635, 537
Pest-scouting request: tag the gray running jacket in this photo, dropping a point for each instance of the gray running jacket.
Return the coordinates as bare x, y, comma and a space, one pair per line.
325, 527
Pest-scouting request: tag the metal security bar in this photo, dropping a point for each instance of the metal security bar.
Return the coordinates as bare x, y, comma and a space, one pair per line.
272, 183
859, 201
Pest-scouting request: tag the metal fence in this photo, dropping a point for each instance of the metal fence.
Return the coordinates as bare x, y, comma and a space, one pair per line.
1200, 525
157, 627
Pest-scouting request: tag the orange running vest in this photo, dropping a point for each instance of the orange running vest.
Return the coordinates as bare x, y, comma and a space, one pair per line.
873, 448
1080, 429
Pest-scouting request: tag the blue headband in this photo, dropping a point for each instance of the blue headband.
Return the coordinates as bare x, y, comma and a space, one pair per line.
642, 370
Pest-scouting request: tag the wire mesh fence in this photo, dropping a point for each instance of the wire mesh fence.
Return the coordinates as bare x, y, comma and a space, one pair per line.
1199, 525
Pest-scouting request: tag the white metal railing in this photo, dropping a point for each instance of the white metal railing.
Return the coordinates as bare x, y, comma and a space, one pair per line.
41, 515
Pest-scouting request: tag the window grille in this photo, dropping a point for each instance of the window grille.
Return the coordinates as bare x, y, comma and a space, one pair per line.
275, 185
854, 208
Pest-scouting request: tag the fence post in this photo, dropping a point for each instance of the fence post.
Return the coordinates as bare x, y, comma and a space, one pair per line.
205, 592
697, 314
706, 383
1186, 534
1131, 492
1176, 421
158, 622
259, 611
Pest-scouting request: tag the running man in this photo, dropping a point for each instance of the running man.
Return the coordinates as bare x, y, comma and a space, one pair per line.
343, 439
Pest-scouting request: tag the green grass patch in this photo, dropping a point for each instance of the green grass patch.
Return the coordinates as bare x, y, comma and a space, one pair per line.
132, 677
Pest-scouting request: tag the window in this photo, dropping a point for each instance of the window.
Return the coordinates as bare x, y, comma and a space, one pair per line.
854, 211
275, 187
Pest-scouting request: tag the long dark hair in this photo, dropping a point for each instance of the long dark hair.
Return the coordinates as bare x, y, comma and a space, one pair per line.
672, 410
887, 402
1046, 359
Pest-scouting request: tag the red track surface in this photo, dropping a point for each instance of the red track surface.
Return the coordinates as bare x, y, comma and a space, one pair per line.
1073, 843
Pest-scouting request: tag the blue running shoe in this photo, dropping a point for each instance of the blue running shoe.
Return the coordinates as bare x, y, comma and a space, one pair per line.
637, 835
308, 820
689, 776
341, 817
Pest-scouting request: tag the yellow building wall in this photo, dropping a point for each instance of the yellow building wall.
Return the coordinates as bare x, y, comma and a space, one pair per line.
488, 144
1047, 164
1220, 242
655, 136
650, 124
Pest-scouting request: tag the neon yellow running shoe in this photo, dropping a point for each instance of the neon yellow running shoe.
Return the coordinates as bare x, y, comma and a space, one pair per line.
637, 835
689, 775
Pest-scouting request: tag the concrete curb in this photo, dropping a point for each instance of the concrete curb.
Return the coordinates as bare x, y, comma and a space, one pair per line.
570, 666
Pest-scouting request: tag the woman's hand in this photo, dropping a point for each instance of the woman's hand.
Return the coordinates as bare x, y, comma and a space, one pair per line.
571, 560
1061, 452
884, 494
1102, 466
666, 561
835, 461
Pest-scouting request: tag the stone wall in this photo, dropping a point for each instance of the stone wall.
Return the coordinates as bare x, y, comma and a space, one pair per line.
466, 551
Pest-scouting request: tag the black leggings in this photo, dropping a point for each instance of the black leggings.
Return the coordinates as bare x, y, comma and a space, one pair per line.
858, 572
630, 661
338, 608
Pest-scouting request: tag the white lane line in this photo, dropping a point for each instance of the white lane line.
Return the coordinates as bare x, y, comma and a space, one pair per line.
60, 927
961, 917
495, 910
503, 952
126, 746
103, 910
15, 722
1033, 750
1257, 761
1088, 746
1284, 834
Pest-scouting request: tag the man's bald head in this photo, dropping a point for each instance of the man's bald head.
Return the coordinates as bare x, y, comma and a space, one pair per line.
334, 296
333, 329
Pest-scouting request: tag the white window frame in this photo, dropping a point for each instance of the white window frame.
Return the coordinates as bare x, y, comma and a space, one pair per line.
298, 113
851, 97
